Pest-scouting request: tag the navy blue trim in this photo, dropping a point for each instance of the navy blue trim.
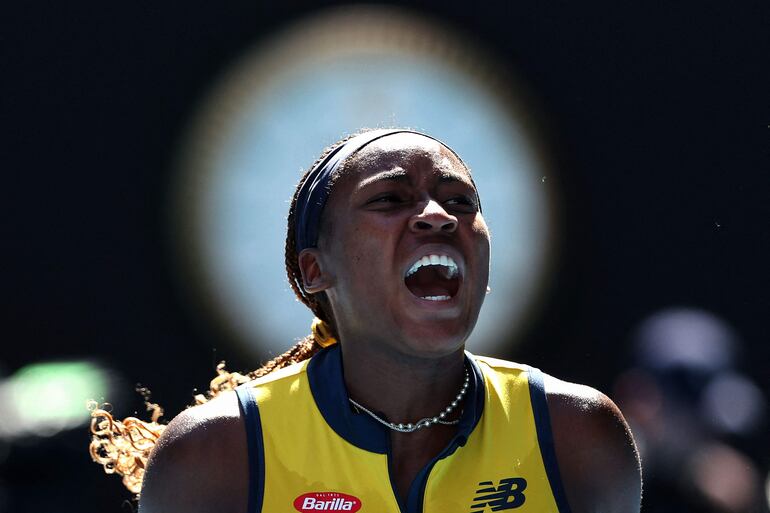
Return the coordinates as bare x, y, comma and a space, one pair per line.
254, 444
478, 391
327, 383
545, 437
471, 415
403, 508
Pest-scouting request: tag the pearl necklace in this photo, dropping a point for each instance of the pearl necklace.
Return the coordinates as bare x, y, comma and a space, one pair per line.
427, 421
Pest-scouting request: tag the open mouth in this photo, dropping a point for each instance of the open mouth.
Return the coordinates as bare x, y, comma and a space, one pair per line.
433, 278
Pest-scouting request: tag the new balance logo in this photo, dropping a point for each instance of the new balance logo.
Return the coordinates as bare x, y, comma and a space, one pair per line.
508, 494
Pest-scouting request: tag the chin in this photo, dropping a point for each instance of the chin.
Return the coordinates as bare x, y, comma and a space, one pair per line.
434, 340
435, 328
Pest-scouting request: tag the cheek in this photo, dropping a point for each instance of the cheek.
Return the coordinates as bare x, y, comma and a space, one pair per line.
359, 246
481, 232
374, 233
479, 227
360, 249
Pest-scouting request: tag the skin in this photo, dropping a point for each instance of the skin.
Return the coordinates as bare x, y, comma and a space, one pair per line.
401, 197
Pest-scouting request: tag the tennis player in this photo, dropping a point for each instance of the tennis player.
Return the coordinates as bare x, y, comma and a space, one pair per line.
381, 409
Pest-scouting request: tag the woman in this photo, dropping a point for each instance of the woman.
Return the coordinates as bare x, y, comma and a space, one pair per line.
387, 246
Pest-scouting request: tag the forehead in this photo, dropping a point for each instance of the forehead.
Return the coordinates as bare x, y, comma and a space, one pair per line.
405, 154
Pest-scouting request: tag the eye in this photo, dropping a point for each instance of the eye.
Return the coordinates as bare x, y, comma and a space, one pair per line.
462, 202
385, 199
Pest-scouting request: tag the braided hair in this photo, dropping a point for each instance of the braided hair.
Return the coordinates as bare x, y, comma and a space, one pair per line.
123, 446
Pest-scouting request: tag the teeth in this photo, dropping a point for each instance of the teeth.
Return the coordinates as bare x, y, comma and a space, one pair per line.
436, 298
442, 260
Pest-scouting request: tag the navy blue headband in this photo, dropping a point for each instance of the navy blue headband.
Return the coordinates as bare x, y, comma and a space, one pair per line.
315, 189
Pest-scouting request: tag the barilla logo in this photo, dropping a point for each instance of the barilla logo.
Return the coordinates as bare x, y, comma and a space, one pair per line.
326, 501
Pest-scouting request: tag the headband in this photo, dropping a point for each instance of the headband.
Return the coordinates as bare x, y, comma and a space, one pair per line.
315, 189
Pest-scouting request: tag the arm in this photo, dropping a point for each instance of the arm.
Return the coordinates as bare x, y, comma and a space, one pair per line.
199, 464
598, 460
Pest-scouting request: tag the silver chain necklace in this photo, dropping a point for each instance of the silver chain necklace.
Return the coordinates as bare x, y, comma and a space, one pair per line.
427, 421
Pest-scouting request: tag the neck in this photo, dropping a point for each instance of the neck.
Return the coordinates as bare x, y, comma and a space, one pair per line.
402, 387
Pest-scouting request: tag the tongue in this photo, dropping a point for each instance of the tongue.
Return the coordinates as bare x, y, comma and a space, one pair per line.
432, 281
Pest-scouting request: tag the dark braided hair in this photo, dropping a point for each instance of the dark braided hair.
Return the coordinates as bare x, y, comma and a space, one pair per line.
123, 446
318, 303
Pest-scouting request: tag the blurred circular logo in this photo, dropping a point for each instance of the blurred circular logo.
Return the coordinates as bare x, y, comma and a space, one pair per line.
272, 113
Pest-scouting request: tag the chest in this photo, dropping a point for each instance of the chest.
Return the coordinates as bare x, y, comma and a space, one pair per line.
412, 452
309, 467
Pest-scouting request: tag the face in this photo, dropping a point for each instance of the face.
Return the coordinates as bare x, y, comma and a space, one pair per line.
404, 251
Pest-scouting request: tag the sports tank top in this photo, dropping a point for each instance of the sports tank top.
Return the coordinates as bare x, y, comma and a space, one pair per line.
309, 450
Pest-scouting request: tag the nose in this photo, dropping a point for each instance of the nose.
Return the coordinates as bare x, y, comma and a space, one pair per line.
433, 218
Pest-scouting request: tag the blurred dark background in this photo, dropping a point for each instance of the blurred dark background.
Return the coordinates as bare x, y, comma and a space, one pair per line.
660, 114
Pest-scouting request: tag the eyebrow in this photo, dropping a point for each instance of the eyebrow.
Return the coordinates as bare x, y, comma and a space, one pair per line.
448, 177
394, 175
400, 175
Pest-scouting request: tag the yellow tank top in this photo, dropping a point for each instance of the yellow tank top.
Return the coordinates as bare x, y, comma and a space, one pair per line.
309, 450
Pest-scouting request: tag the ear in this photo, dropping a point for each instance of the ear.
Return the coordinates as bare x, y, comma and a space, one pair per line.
314, 279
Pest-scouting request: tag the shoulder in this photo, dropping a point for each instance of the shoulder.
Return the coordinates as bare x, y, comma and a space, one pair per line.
200, 462
597, 456
496, 363
495, 366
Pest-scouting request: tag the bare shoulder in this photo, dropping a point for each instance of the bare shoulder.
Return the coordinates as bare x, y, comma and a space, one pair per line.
597, 456
200, 462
